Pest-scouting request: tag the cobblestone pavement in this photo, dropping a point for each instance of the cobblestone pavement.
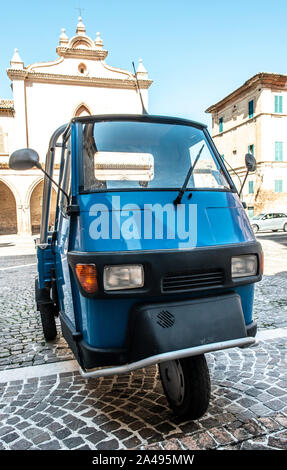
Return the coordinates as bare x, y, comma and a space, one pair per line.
21, 338
248, 407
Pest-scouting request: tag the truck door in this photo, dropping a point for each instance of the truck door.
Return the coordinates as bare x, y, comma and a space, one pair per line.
62, 230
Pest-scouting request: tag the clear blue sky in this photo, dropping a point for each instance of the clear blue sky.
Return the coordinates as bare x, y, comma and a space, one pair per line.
195, 51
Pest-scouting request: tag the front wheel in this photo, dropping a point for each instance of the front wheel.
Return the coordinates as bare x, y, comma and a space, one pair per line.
186, 384
285, 228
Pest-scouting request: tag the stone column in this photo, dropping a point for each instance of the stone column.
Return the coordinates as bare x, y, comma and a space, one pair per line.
23, 220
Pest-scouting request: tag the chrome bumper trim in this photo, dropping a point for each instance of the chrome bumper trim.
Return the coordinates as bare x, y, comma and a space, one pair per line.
149, 361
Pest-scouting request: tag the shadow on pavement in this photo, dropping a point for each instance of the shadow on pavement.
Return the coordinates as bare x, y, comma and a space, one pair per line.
280, 237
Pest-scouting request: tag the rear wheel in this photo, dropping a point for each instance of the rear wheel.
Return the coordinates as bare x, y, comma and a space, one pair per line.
186, 384
285, 228
255, 228
47, 313
48, 322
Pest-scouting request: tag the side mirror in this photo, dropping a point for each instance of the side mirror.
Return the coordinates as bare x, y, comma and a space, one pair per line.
24, 159
250, 162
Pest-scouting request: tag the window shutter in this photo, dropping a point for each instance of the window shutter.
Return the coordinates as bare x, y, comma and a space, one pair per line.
251, 187
278, 104
221, 124
278, 186
251, 108
278, 151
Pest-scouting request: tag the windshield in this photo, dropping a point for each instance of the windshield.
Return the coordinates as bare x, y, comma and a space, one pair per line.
147, 155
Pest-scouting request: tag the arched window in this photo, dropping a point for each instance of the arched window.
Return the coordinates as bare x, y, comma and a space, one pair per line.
82, 68
82, 110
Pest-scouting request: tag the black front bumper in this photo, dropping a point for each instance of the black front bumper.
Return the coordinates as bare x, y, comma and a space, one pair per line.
158, 328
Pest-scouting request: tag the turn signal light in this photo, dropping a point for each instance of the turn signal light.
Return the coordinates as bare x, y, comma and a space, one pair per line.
87, 275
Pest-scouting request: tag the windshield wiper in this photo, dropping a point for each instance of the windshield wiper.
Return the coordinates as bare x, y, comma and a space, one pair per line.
183, 188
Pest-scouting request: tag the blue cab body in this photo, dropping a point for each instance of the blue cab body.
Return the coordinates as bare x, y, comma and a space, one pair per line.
189, 298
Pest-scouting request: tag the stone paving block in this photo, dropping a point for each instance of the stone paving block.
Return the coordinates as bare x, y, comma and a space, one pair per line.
131, 443
172, 444
260, 410
6, 430
22, 425
221, 436
278, 441
12, 436
62, 433
253, 445
52, 445
189, 427
111, 444
276, 391
21, 444
246, 402
73, 442
270, 424
191, 443
275, 405
281, 419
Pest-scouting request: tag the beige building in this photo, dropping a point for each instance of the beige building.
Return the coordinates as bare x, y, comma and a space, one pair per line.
47, 95
253, 119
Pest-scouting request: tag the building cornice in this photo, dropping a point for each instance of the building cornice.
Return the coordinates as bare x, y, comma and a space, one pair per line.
92, 54
104, 82
6, 107
266, 80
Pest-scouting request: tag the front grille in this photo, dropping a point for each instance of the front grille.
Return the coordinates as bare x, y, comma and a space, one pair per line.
192, 281
165, 319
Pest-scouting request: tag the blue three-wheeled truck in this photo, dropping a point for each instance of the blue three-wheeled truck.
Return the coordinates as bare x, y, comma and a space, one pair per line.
151, 258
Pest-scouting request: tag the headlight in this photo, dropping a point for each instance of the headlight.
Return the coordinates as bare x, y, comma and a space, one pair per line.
245, 265
123, 277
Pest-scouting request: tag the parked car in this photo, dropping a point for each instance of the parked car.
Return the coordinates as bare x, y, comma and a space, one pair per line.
269, 221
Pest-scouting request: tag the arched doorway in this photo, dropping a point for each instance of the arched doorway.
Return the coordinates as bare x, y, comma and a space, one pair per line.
36, 207
8, 212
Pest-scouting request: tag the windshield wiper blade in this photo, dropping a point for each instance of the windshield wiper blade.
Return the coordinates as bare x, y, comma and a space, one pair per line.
189, 173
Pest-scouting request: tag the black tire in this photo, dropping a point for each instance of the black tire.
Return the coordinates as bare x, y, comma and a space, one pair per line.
186, 384
47, 313
285, 228
274, 230
48, 322
255, 228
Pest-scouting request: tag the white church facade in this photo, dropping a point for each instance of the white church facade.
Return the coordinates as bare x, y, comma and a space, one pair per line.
47, 95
